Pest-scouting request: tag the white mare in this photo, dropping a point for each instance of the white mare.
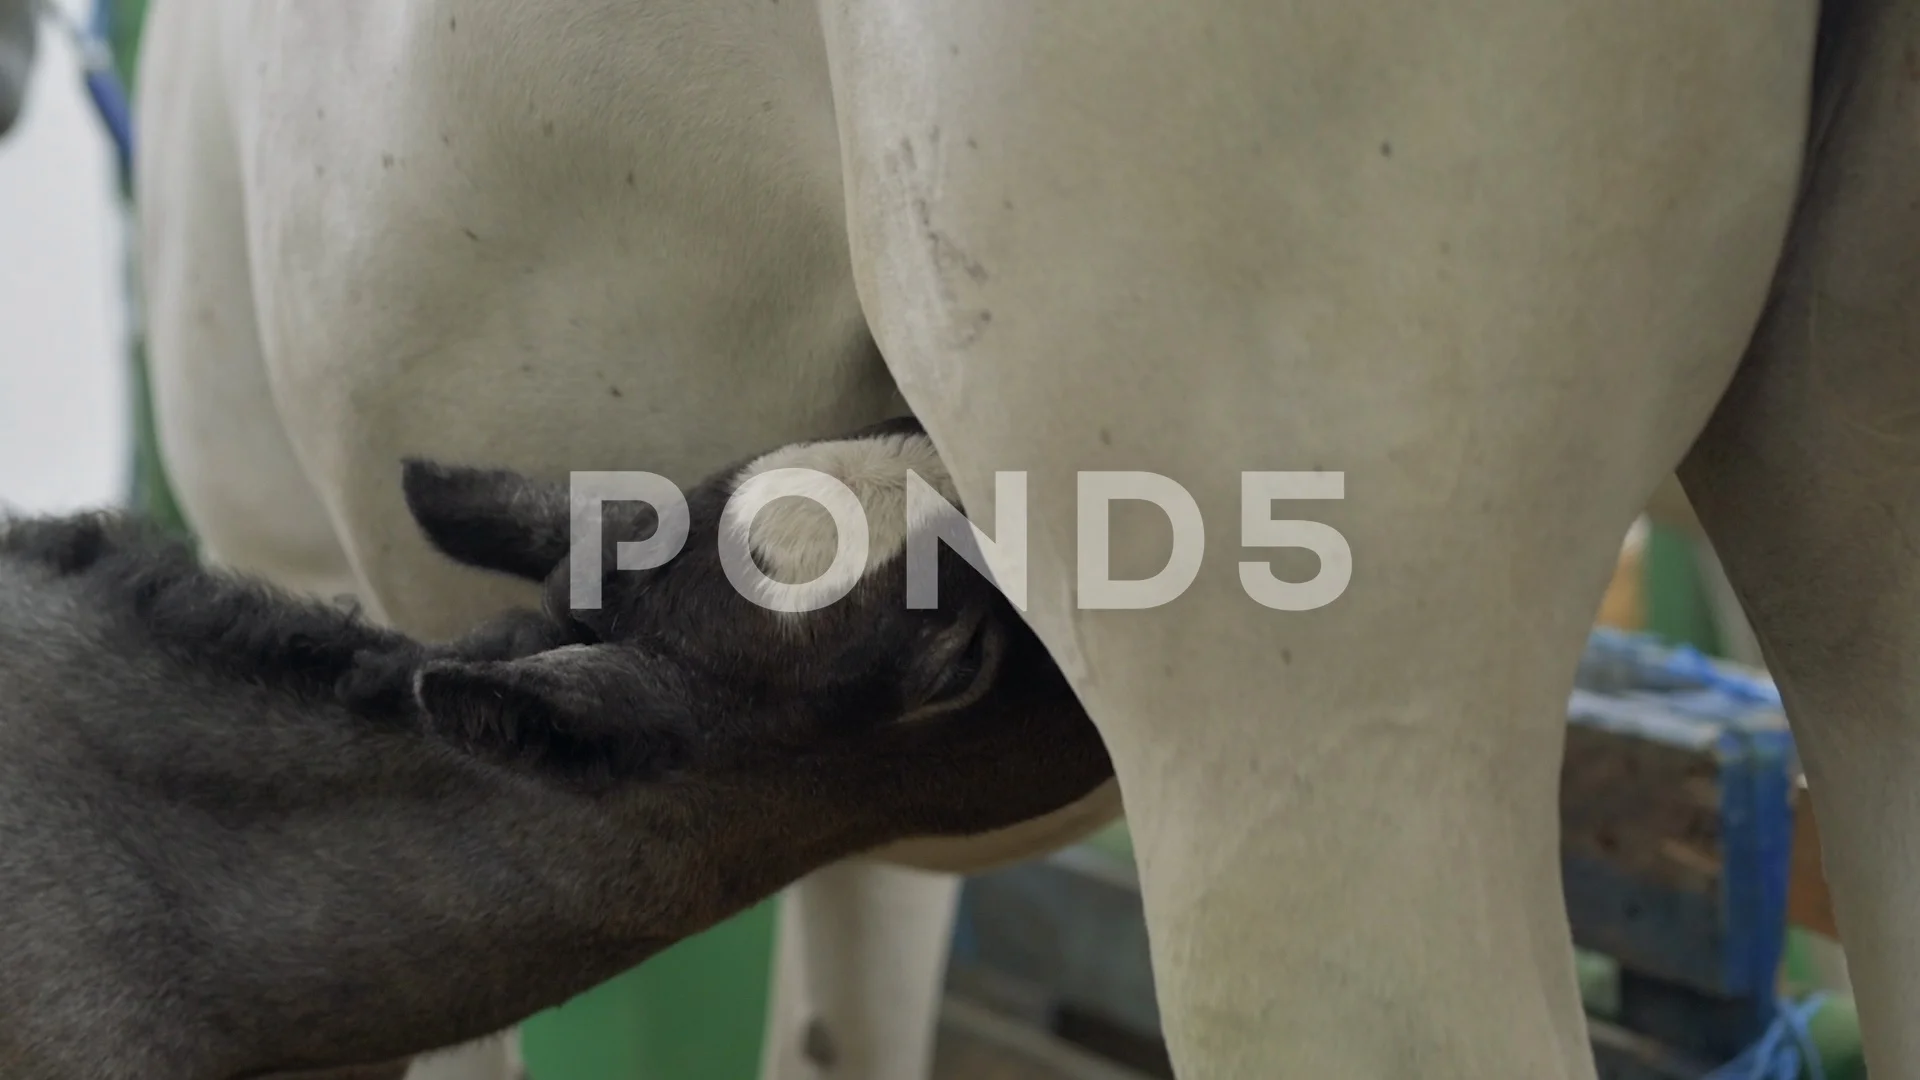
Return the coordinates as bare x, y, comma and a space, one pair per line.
1503, 264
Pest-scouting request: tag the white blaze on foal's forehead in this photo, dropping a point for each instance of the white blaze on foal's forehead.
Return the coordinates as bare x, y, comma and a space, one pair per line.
795, 538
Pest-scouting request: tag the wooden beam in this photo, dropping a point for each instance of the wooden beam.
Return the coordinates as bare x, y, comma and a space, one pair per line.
1809, 904
1675, 826
975, 1043
1669, 506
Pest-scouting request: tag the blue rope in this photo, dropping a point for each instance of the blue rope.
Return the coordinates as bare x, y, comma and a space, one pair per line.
110, 101
1784, 1051
1689, 663
97, 71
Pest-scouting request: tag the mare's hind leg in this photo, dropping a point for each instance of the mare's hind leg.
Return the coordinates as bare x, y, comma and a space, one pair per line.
1493, 261
1808, 481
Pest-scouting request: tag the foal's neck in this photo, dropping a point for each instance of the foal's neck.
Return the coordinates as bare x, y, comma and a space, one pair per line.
445, 902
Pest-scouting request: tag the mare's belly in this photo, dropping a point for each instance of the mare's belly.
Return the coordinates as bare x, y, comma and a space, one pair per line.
581, 236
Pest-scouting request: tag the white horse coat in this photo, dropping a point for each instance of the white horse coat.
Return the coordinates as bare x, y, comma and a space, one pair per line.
1499, 264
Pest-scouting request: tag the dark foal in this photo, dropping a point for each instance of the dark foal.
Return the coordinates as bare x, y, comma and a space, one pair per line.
250, 835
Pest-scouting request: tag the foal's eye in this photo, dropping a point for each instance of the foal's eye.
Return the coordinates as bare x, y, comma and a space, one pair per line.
965, 669
558, 605
583, 630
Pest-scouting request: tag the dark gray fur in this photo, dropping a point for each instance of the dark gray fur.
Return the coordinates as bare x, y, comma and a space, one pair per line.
247, 834
19, 47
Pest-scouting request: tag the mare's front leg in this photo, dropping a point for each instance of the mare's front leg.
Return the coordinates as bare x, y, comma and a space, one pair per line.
1493, 262
1808, 482
863, 945
858, 973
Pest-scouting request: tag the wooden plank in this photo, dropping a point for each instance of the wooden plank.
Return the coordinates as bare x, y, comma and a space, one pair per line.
975, 1043
1809, 902
1675, 838
1072, 924
1619, 1054
1685, 1021
1664, 932
1650, 810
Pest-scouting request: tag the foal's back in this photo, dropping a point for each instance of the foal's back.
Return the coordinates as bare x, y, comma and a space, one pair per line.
172, 763
89, 930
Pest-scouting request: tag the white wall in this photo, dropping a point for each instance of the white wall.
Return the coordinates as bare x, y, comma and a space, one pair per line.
65, 437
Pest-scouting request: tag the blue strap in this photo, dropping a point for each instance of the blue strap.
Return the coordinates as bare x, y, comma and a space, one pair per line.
109, 97
1689, 663
1784, 1051
110, 101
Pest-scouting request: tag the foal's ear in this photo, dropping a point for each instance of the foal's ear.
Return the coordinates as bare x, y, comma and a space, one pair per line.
572, 715
489, 518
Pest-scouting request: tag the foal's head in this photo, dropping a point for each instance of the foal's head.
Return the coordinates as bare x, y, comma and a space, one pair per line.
803, 735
